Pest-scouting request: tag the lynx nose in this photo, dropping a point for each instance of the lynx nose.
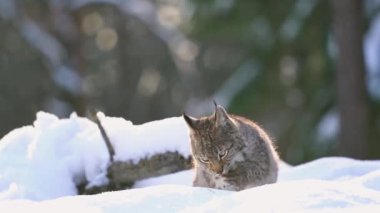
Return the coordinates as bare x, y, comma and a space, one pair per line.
217, 168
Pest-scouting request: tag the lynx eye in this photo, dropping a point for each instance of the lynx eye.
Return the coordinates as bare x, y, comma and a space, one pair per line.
204, 160
223, 154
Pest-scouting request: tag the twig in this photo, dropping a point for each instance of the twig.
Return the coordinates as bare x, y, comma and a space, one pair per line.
95, 118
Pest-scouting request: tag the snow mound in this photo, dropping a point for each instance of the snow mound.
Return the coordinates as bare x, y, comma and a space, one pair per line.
41, 164
306, 195
34, 160
133, 142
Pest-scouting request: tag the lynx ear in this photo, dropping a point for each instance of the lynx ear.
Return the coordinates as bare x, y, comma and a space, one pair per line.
221, 116
191, 122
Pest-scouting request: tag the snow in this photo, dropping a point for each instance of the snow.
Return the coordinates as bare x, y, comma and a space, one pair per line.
61, 151
133, 142
41, 164
180, 178
67, 151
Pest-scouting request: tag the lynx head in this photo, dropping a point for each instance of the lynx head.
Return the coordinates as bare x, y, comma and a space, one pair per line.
215, 140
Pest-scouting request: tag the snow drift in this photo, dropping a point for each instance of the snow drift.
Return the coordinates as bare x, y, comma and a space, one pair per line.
34, 160
41, 164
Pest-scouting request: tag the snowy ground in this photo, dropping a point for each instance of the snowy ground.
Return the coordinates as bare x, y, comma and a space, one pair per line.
40, 164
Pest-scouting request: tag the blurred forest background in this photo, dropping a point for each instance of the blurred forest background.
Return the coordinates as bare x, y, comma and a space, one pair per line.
307, 71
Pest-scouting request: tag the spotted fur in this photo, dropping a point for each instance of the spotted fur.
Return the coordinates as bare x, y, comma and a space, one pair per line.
231, 152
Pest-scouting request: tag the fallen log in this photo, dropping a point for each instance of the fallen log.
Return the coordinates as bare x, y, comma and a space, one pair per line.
123, 174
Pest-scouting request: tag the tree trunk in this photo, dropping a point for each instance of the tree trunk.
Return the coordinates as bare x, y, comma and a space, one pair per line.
350, 77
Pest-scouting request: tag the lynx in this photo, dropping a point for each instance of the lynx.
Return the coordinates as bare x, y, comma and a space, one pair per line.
230, 152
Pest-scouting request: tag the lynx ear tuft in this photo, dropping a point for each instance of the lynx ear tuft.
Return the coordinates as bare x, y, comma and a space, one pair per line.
191, 122
215, 104
221, 116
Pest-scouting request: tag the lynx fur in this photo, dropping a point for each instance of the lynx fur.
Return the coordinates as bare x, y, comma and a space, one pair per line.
230, 152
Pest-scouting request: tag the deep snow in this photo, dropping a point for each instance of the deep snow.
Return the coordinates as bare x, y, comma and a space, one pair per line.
34, 160
40, 164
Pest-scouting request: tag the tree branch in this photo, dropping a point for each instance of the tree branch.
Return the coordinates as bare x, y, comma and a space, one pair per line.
94, 117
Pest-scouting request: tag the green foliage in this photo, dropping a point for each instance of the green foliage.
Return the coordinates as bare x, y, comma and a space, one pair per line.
128, 70
294, 88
